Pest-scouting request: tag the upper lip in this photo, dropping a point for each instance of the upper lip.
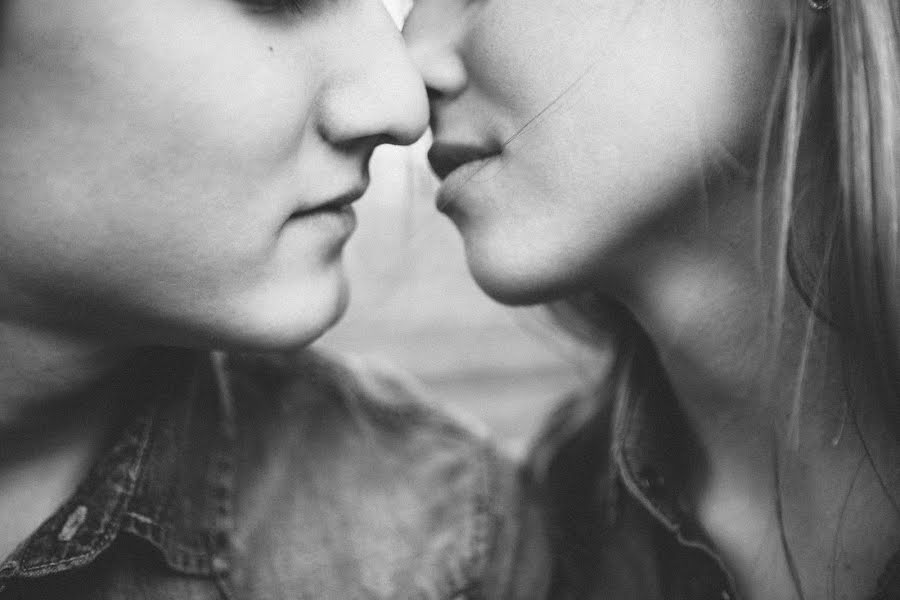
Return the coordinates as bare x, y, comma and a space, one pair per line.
446, 157
337, 202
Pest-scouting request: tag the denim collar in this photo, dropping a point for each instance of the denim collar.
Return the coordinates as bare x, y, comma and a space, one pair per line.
659, 461
658, 457
167, 478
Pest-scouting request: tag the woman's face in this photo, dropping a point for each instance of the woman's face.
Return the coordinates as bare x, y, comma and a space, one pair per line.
572, 134
179, 171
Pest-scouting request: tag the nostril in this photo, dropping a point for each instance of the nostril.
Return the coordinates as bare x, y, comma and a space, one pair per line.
362, 144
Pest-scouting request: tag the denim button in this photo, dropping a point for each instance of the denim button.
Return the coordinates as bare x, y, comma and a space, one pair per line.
651, 480
73, 524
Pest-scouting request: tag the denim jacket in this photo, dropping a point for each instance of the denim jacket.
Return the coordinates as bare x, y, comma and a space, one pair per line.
301, 477
615, 468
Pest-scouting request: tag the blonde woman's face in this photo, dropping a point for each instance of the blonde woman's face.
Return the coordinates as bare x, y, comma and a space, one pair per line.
178, 171
569, 131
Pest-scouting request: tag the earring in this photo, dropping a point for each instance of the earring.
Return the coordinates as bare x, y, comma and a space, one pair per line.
820, 4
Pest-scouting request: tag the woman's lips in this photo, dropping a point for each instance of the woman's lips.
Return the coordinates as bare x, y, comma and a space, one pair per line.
334, 216
446, 157
336, 222
337, 204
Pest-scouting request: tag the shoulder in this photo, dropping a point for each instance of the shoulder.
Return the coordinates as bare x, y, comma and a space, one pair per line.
371, 488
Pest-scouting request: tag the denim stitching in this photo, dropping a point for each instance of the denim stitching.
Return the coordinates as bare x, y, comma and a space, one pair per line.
108, 527
626, 413
176, 554
115, 518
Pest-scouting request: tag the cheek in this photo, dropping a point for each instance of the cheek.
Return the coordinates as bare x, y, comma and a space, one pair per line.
129, 177
705, 58
606, 145
680, 79
126, 133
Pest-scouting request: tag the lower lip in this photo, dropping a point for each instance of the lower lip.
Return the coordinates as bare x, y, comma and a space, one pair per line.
335, 222
451, 190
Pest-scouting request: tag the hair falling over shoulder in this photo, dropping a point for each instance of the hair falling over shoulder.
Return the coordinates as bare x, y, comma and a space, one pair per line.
830, 159
840, 208
866, 49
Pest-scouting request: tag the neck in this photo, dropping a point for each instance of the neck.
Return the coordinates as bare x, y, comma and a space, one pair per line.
799, 470
55, 414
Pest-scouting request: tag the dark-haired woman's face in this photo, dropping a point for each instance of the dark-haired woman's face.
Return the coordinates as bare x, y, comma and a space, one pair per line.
177, 170
568, 132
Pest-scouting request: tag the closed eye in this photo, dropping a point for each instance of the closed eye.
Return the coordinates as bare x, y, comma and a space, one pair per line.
275, 6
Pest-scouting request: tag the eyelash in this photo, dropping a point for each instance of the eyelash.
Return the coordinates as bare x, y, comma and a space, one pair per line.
276, 6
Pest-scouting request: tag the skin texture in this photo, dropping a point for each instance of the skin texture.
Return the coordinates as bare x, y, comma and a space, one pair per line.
153, 151
605, 130
617, 143
152, 154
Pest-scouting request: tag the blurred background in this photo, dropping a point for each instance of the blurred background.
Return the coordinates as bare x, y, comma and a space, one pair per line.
414, 305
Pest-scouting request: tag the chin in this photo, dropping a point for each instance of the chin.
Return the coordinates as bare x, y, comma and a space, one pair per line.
516, 282
535, 263
289, 319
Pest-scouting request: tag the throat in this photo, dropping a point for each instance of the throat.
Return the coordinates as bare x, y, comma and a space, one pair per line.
58, 405
795, 525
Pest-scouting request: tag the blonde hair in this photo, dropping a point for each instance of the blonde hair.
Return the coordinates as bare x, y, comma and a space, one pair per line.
840, 203
866, 48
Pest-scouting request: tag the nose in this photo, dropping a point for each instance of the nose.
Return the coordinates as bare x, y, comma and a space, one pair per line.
377, 96
442, 71
430, 34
